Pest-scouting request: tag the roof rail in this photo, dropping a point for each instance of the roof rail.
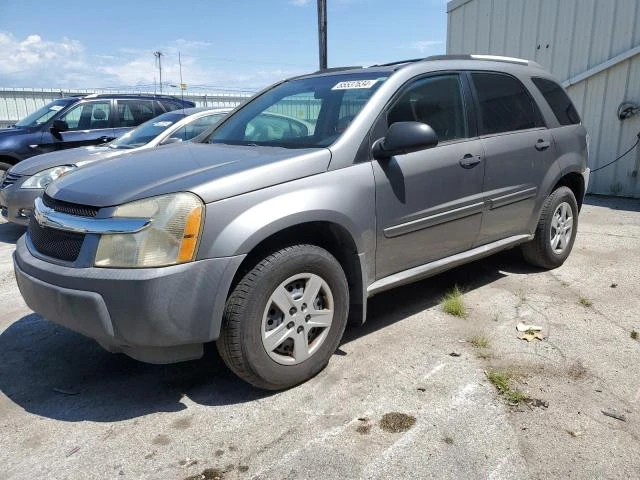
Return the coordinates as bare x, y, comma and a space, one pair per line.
493, 58
115, 94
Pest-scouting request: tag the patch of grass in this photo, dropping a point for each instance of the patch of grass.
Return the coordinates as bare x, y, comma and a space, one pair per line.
483, 355
515, 396
585, 302
634, 334
500, 380
453, 304
479, 341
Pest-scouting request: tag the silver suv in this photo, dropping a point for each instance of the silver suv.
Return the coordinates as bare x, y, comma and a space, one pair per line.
320, 192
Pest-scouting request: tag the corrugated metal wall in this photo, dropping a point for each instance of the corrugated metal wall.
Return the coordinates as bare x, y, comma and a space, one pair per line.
569, 37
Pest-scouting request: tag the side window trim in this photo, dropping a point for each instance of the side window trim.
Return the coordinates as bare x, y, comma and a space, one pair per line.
540, 122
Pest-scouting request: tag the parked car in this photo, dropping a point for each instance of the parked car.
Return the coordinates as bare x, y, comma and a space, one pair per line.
27, 180
267, 245
76, 121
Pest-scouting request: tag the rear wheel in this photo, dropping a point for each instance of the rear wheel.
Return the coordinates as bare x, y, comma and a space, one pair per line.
285, 318
556, 231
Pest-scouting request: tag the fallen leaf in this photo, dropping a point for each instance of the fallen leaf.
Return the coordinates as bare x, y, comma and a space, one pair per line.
523, 327
529, 336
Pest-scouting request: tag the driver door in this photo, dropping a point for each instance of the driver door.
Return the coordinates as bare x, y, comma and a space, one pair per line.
90, 123
429, 203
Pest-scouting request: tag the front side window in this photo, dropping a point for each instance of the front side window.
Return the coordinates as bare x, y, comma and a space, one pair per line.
436, 101
88, 116
302, 113
558, 100
505, 105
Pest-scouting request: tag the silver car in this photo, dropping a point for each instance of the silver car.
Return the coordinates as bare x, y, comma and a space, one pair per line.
26, 181
268, 236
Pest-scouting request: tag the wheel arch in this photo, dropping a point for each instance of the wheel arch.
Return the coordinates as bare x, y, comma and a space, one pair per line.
10, 159
575, 182
326, 234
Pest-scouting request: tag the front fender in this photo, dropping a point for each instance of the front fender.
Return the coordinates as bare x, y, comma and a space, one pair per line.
345, 197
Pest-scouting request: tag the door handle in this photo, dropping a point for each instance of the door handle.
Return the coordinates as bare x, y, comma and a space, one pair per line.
470, 161
104, 139
542, 145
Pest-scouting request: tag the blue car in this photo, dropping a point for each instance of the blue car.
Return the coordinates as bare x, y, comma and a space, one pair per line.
79, 121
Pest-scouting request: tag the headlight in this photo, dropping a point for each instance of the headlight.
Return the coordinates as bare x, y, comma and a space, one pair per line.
45, 177
171, 238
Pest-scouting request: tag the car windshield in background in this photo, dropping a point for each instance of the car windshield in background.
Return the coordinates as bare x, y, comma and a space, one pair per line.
147, 131
303, 113
42, 115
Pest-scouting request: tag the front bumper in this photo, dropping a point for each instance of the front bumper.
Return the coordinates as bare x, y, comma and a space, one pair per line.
16, 204
157, 315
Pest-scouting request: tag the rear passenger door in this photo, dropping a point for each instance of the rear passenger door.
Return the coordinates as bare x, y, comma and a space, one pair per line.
132, 113
518, 151
429, 203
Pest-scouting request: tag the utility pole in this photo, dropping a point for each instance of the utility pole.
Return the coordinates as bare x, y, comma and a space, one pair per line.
158, 54
322, 32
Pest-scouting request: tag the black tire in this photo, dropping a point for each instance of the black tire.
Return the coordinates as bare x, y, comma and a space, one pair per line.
240, 343
539, 251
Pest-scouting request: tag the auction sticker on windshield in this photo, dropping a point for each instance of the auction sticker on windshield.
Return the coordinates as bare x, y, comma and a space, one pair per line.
352, 84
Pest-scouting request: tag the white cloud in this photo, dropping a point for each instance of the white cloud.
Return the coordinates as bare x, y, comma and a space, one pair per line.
423, 45
299, 3
37, 62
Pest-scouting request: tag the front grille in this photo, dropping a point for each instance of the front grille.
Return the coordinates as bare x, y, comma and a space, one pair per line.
55, 243
10, 179
69, 208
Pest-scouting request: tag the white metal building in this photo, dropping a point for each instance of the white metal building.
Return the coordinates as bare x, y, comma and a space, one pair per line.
591, 46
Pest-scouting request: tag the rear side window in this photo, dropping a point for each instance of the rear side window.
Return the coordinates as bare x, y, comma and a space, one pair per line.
558, 100
505, 104
132, 113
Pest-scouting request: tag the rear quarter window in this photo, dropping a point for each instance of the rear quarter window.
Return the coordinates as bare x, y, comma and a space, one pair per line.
558, 100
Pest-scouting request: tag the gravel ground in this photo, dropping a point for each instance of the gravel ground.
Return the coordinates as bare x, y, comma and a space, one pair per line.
393, 402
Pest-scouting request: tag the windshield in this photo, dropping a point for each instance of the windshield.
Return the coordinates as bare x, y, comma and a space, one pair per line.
304, 113
43, 114
147, 131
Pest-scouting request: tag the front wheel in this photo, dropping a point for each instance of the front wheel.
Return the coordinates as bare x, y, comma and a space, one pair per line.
556, 231
285, 317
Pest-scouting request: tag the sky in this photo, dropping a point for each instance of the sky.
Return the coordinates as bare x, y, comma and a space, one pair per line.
241, 44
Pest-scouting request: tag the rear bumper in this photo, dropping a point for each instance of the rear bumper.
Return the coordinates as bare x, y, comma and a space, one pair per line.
16, 204
157, 315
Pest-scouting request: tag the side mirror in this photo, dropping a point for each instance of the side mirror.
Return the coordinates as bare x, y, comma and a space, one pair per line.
58, 126
404, 137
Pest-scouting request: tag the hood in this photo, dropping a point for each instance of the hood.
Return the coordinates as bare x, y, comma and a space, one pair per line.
13, 131
212, 172
73, 156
